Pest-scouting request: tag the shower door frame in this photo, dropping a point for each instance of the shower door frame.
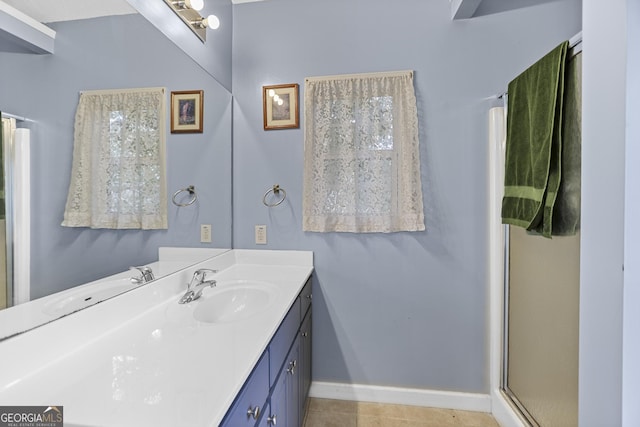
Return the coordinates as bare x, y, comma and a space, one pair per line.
502, 407
7, 156
18, 200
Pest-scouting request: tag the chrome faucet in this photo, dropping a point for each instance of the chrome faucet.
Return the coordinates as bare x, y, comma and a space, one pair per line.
197, 285
146, 275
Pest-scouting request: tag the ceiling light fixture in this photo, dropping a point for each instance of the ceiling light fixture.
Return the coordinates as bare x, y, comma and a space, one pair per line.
210, 21
188, 11
189, 4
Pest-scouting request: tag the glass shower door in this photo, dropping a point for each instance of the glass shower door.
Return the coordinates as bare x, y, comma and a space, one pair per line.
542, 340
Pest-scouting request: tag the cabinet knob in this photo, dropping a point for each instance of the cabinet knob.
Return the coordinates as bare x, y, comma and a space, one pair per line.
305, 334
292, 367
255, 412
310, 297
271, 420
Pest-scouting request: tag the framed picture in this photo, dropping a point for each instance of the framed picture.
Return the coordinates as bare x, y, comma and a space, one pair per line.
186, 111
280, 106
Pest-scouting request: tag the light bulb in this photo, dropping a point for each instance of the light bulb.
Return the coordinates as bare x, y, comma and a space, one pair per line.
280, 101
212, 22
272, 93
195, 4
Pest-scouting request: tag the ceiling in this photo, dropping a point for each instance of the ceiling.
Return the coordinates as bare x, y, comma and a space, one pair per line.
67, 10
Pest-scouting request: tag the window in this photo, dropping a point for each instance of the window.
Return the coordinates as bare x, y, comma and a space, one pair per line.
118, 177
361, 163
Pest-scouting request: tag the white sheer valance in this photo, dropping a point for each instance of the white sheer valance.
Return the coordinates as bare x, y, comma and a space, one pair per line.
118, 177
362, 161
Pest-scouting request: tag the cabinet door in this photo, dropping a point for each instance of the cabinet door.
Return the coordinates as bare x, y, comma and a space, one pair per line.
281, 343
305, 361
292, 372
305, 298
277, 414
265, 421
248, 407
285, 396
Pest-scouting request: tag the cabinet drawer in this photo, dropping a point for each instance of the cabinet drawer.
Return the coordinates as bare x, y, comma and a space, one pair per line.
253, 395
305, 298
282, 341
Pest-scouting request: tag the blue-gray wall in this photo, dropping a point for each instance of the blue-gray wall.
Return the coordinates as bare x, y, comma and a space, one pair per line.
110, 53
403, 309
214, 55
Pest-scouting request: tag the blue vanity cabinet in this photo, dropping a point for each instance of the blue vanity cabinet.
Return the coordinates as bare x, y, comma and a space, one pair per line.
305, 298
285, 395
290, 380
305, 342
265, 421
282, 341
305, 360
284, 371
250, 404
292, 373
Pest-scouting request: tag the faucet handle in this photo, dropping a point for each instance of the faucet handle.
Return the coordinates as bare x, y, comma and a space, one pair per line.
199, 276
146, 274
137, 279
201, 273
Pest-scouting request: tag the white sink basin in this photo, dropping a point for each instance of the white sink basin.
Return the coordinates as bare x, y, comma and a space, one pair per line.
77, 299
234, 300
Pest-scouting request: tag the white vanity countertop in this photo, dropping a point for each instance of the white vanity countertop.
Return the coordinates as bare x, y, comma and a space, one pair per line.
141, 359
37, 312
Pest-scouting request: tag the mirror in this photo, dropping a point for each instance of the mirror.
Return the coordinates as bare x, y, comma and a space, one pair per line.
123, 51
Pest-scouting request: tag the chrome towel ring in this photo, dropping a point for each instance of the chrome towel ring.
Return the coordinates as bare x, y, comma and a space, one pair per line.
192, 192
276, 189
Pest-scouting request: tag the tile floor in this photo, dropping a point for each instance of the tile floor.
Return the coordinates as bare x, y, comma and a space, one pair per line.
342, 413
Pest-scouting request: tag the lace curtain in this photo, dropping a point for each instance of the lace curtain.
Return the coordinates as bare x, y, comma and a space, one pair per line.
361, 159
118, 177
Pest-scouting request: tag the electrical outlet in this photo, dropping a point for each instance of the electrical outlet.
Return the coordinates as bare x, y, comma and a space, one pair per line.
261, 234
205, 233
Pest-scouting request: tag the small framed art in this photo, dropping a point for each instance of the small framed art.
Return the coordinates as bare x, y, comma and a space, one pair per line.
280, 106
186, 111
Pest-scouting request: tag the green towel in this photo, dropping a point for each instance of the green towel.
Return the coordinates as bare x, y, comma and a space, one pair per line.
534, 143
566, 212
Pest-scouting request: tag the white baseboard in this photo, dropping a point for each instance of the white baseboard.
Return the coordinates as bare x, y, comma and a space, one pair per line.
401, 396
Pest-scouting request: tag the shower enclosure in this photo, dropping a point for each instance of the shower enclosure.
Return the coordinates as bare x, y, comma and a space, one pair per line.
535, 284
542, 294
